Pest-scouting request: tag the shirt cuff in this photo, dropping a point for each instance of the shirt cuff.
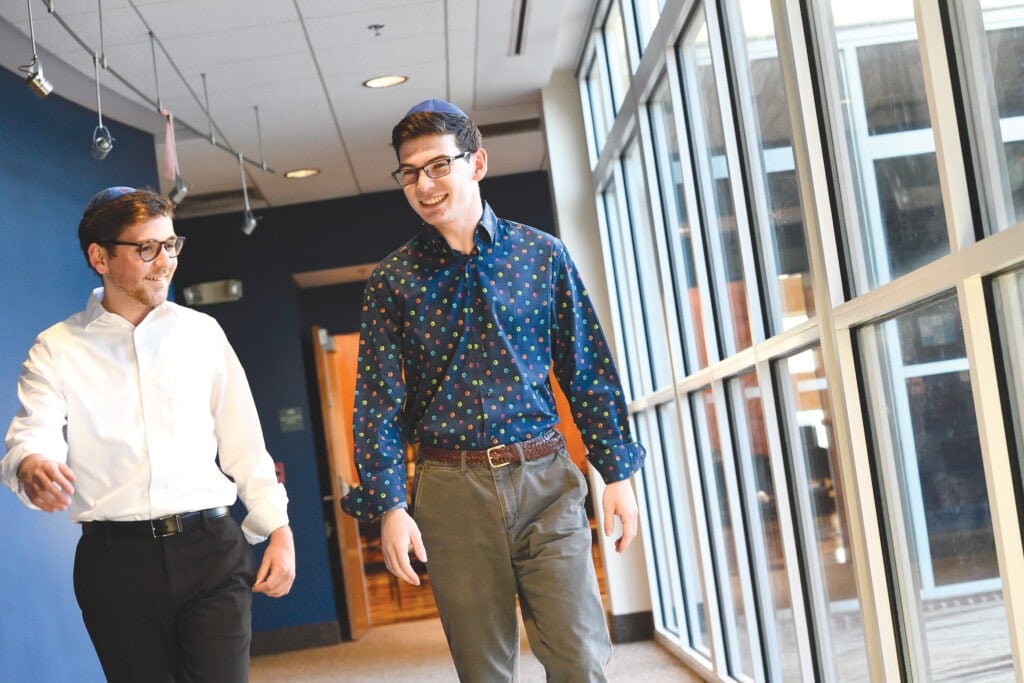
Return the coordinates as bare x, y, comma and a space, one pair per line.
376, 494
263, 519
619, 462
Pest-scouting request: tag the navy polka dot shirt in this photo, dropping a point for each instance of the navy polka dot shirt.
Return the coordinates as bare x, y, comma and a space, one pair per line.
455, 351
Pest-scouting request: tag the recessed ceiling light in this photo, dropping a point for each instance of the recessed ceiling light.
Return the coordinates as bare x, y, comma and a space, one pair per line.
302, 173
385, 81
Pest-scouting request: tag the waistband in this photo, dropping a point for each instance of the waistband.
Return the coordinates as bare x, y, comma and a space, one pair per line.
155, 528
497, 456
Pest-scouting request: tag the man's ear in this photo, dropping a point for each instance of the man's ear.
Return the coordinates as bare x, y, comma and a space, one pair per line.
98, 258
479, 162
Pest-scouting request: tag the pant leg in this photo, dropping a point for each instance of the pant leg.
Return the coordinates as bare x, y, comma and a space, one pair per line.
171, 609
121, 587
558, 589
469, 569
212, 578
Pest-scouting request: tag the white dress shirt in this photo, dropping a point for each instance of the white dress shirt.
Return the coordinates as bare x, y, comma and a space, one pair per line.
142, 414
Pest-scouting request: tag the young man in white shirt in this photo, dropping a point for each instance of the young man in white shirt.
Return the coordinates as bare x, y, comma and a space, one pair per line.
136, 415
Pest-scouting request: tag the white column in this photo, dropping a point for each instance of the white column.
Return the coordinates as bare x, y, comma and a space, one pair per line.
576, 212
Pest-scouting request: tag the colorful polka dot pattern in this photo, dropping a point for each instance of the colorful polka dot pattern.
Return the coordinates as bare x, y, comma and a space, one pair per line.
455, 351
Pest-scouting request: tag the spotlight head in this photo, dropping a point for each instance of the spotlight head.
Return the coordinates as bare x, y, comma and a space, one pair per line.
249, 224
102, 142
181, 189
37, 81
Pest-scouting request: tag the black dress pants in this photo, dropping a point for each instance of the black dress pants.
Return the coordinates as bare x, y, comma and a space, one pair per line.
169, 610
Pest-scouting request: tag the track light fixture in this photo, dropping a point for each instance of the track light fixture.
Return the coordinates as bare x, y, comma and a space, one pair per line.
35, 79
250, 221
181, 189
102, 140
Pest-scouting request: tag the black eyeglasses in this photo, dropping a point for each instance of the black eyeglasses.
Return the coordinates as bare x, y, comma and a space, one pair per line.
149, 249
438, 168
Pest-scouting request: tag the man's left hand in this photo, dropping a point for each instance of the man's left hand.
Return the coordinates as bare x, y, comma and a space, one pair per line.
277, 571
620, 501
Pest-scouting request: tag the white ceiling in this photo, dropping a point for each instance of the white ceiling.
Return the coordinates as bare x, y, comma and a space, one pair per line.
302, 64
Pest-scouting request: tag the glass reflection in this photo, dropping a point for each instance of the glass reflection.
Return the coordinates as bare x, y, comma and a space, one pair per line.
893, 218
992, 61
767, 555
671, 174
774, 194
715, 187
821, 517
926, 448
739, 623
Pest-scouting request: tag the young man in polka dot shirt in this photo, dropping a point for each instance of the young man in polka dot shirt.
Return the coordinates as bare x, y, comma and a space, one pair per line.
461, 329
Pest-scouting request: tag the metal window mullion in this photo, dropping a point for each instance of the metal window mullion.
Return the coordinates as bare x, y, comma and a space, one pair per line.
949, 156
787, 524
996, 457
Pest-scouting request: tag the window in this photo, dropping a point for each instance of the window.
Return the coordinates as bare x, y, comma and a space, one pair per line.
992, 74
721, 226
768, 557
675, 188
926, 449
893, 215
1009, 299
774, 191
818, 491
618, 54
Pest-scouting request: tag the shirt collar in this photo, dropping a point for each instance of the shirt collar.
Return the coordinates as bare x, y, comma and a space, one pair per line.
487, 232
94, 310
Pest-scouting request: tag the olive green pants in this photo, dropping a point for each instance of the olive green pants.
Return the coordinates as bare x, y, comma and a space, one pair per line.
519, 531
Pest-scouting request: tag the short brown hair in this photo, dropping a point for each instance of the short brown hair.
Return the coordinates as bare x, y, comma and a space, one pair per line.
421, 124
107, 221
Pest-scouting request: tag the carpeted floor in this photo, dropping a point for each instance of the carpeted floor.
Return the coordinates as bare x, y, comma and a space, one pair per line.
415, 651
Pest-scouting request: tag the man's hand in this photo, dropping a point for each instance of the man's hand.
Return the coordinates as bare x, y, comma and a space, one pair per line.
398, 535
620, 501
47, 483
277, 571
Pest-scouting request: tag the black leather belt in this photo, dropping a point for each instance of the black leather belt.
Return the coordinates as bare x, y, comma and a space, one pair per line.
154, 528
497, 456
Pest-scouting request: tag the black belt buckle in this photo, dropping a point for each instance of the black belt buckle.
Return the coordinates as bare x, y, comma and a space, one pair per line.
161, 527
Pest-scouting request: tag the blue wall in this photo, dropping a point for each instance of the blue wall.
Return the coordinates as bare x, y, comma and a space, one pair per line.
46, 176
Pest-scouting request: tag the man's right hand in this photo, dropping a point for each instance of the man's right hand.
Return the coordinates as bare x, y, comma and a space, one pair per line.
398, 535
47, 483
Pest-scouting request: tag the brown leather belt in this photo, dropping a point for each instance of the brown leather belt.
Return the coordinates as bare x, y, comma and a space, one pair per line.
497, 456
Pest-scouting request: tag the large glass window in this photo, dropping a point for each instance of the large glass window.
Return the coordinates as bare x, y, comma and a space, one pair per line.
926, 449
672, 533
672, 174
617, 229
721, 224
598, 100
646, 270
992, 63
893, 216
725, 528
618, 53
777, 213
647, 13
768, 559
821, 517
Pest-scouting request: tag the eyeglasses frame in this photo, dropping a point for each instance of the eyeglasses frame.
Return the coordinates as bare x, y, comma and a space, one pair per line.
397, 173
178, 241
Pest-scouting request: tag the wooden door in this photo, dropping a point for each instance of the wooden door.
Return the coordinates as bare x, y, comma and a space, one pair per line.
336, 373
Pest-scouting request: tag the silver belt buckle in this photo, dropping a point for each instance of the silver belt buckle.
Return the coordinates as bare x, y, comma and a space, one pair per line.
164, 534
490, 461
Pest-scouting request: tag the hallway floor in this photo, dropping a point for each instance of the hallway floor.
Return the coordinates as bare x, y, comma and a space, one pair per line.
416, 651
